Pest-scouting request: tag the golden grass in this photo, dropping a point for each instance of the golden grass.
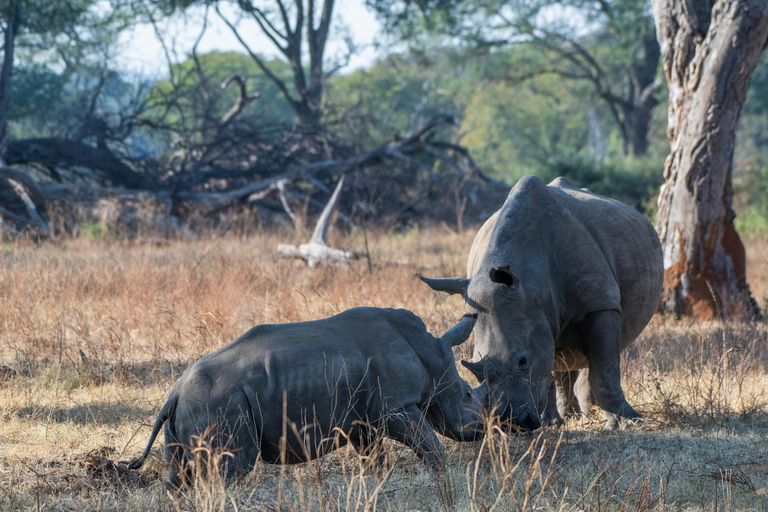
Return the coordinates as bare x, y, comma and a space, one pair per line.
93, 335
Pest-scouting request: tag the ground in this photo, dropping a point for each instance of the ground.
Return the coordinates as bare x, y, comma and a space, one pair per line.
93, 333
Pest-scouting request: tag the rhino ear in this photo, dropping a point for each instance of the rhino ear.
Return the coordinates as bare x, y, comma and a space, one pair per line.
503, 275
482, 370
447, 284
459, 333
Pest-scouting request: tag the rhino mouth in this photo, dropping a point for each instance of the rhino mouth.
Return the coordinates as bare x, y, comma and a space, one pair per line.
528, 423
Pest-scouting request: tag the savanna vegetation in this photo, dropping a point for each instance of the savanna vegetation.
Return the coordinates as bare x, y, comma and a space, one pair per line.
140, 215
94, 334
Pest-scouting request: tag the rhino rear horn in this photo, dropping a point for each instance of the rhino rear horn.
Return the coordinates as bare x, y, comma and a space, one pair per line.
447, 284
482, 370
459, 333
481, 392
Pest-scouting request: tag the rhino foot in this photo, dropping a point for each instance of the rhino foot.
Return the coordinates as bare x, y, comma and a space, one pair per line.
626, 419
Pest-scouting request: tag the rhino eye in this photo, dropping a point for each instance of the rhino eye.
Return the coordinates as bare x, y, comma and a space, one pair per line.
522, 362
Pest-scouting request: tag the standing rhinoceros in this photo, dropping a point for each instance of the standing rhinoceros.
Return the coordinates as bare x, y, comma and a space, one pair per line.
363, 369
561, 279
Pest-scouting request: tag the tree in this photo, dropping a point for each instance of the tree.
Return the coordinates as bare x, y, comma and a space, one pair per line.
709, 50
299, 30
617, 52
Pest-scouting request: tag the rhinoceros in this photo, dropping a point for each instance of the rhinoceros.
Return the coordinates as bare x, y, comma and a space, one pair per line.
363, 370
561, 279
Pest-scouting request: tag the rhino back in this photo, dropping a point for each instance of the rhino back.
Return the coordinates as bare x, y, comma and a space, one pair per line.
602, 253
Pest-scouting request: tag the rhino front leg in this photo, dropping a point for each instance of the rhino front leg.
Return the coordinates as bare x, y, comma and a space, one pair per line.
411, 428
602, 335
367, 443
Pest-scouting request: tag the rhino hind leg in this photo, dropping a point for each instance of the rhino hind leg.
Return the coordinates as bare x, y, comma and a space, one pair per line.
567, 403
551, 415
174, 459
410, 427
602, 333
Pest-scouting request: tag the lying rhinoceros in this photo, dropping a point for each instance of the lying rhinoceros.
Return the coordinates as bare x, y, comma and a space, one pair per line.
561, 279
362, 370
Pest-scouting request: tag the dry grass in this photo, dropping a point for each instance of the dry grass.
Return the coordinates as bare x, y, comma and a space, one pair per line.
93, 335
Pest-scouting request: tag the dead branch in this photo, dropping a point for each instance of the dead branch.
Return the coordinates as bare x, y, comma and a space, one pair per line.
243, 98
317, 251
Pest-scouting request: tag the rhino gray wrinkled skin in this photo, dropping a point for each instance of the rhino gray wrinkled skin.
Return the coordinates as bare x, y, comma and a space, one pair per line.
363, 370
561, 279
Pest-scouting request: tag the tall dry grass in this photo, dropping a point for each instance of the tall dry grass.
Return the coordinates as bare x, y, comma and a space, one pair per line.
93, 334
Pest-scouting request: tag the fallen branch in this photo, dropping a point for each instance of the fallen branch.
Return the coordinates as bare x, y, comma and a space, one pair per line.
317, 250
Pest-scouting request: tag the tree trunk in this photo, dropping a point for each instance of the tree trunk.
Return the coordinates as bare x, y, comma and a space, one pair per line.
7, 70
709, 50
637, 118
641, 99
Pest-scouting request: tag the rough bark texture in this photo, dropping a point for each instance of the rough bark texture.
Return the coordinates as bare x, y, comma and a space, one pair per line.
709, 49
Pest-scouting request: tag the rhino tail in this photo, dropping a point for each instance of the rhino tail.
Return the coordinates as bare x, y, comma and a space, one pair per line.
165, 413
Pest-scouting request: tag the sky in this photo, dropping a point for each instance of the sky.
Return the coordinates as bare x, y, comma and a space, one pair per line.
142, 53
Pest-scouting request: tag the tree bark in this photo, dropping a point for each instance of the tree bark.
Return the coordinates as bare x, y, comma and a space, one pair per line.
639, 99
709, 49
6, 71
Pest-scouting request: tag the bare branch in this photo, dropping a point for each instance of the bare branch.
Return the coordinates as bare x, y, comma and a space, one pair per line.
321, 229
279, 83
243, 98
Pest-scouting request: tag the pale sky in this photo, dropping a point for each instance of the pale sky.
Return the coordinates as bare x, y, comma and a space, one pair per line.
142, 53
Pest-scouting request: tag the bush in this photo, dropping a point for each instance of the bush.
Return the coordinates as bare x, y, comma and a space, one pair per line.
635, 182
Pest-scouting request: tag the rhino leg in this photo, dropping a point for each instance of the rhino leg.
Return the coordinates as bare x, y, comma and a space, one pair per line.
567, 404
551, 414
583, 392
602, 334
174, 458
411, 428
367, 443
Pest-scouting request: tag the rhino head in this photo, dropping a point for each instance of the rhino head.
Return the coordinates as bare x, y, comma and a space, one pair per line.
455, 408
514, 342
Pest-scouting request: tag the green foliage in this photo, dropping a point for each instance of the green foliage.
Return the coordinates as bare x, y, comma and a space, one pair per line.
392, 98
61, 54
750, 175
634, 181
270, 109
515, 130
93, 231
751, 200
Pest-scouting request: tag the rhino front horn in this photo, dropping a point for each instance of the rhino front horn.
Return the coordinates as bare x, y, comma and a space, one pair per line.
482, 370
447, 284
459, 333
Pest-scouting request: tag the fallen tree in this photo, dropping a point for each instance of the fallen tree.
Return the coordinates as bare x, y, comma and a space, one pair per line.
175, 207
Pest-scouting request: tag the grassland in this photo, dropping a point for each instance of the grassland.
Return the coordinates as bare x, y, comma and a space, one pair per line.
94, 333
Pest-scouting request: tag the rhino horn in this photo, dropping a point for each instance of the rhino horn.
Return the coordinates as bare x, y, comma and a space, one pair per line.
459, 333
503, 275
447, 284
482, 370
